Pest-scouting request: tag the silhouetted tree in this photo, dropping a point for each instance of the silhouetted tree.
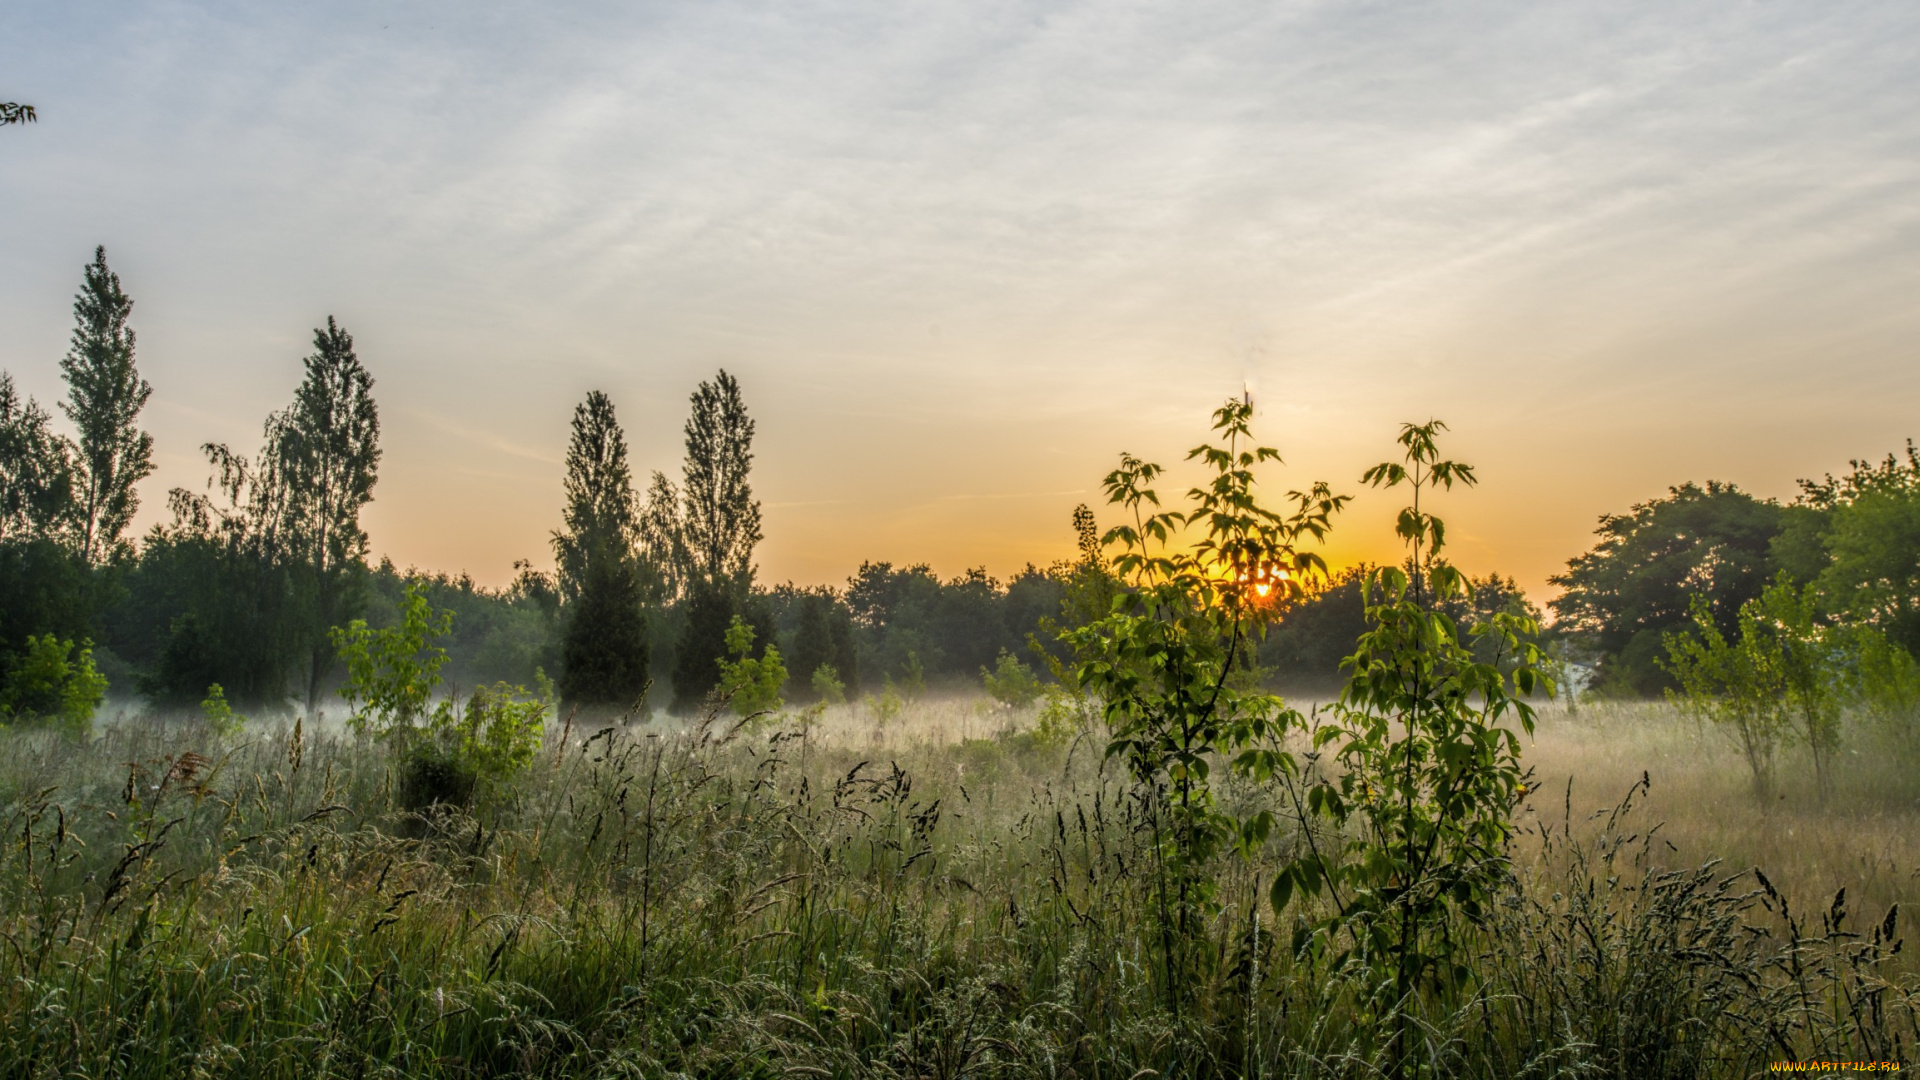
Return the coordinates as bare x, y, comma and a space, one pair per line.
604, 644
1638, 582
822, 636
104, 397
328, 444
36, 470
721, 521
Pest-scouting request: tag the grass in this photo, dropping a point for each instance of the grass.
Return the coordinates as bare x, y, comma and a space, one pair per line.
938, 897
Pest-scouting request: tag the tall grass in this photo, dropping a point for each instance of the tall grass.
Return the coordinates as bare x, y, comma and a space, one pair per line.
656, 901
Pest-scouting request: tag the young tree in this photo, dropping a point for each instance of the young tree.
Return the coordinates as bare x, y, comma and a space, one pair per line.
104, 397
1734, 681
1197, 588
721, 522
1428, 753
604, 647
328, 449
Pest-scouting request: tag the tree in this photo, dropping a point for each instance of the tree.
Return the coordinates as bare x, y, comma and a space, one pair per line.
1873, 543
36, 470
224, 586
1732, 681
751, 686
1813, 660
721, 521
604, 645
104, 397
1429, 772
1318, 630
603, 650
813, 644
12, 112
1638, 582
661, 544
1163, 661
328, 446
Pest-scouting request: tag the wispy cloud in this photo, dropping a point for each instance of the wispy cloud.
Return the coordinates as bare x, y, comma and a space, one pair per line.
1069, 224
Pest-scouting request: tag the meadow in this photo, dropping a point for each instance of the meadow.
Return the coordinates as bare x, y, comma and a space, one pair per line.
943, 893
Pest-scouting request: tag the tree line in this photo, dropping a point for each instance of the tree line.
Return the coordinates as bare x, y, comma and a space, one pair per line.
238, 595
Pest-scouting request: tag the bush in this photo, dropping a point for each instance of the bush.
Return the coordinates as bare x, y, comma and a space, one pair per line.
750, 686
1010, 681
52, 682
449, 750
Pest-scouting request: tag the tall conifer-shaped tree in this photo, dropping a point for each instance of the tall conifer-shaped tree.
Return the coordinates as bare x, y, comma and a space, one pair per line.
718, 528
604, 646
104, 397
327, 445
721, 523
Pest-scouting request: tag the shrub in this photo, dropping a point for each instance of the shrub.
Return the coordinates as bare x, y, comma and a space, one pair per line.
1010, 681
827, 685
448, 749
750, 686
53, 682
219, 715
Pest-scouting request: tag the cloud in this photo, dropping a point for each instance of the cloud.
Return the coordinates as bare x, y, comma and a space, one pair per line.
1071, 225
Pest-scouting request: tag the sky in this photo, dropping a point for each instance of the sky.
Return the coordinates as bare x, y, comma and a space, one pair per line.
962, 254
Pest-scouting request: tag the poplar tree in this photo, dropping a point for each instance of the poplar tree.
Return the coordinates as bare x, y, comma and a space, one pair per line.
328, 448
604, 646
721, 521
104, 397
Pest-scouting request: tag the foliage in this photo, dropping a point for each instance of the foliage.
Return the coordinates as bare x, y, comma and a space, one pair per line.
598, 516
45, 588
219, 715
105, 394
205, 606
604, 652
1638, 582
827, 686
720, 519
705, 617
1195, 586
52, 682
498, 635
750, 686
1011, 682
12, 112
246, 585
1428, 761
604, 648
36, 471
887, 706
1063, 716
1316, 630
1872, 539
327, 446
394, 672
393, 675
822, 634
1733, 682
1787, 673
